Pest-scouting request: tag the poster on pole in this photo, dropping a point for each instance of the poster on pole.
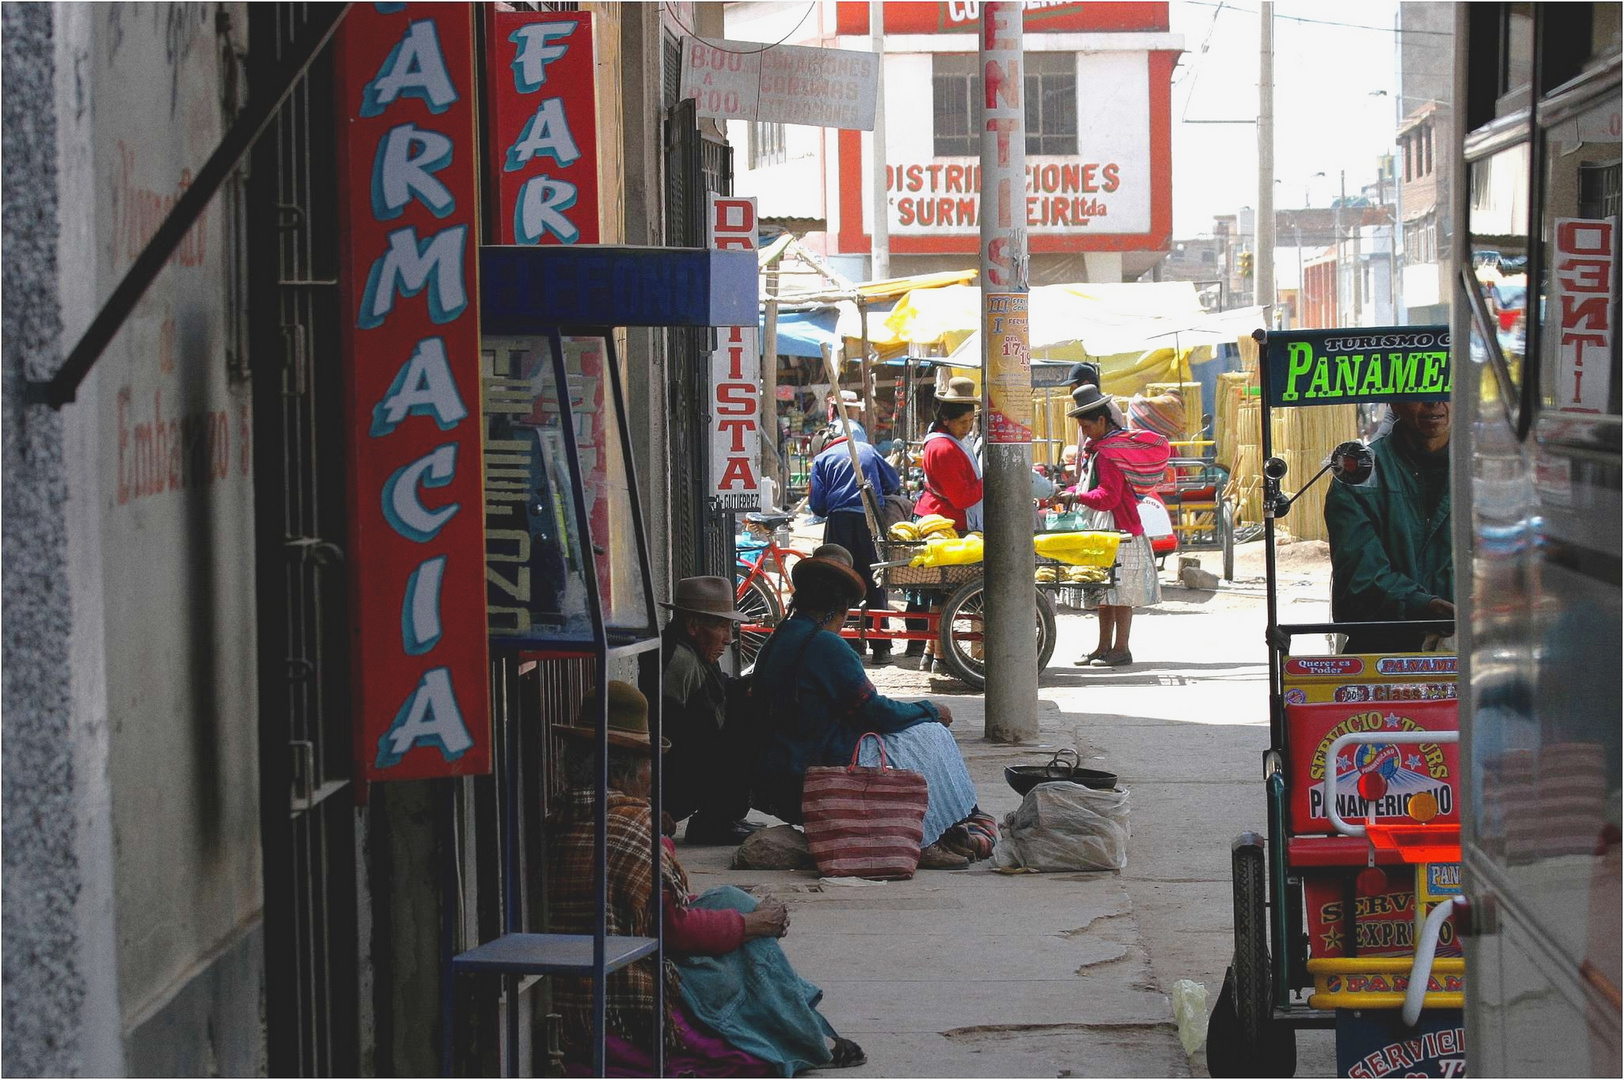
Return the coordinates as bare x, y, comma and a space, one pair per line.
1009, 368
735, 376
408, 287
784, 84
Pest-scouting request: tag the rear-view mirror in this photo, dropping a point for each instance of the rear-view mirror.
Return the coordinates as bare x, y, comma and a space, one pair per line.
1352, 463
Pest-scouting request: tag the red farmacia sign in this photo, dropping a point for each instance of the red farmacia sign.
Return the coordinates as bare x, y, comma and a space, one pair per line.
409, 229
544, 141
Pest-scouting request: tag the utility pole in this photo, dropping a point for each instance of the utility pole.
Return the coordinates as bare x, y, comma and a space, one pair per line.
1336, 224
770, 464
1009, 638
879, 203
1263, 261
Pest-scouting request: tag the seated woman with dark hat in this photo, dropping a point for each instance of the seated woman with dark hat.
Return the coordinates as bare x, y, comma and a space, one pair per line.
814, 702
734, 1005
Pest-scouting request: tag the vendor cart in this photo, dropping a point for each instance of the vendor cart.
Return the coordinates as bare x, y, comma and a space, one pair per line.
953, 602
956, 599
1345, 912
1203, 517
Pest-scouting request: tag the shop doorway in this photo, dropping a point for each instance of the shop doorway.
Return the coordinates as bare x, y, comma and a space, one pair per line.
695, 166
307, 798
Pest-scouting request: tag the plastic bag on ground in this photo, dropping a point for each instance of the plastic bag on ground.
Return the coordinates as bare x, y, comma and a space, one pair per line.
1065, 826
1190, 1010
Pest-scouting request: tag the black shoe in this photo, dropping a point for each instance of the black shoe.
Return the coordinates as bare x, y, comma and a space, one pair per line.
712, 833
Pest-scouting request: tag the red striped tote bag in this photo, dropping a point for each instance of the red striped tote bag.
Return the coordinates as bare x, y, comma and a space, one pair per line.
863, 821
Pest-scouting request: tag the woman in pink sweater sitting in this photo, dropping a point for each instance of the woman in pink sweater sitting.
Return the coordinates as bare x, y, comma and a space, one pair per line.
733, 1004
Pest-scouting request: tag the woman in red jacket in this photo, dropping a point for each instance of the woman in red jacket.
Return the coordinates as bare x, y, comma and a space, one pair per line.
952, 479
952, 473
1105, 488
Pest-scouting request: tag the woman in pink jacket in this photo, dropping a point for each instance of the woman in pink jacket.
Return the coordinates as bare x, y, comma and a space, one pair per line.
1104, 488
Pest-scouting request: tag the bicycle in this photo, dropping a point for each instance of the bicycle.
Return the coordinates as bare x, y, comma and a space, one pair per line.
761, 569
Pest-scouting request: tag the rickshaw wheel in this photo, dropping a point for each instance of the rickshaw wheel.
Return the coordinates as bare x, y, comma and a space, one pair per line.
964, 612
1267, 1047
1226, 536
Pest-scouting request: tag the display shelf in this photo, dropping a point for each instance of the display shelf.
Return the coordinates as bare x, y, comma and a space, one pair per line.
551, 954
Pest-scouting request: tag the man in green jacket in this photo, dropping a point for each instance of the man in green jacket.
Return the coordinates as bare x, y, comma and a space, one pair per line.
1391, 558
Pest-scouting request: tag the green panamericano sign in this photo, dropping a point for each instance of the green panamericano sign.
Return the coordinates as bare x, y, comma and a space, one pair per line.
1336, 367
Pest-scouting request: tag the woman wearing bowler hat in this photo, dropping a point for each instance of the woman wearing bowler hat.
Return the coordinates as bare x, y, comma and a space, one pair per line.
815, 701
1104, 489
952, 484
716, 943
952, 472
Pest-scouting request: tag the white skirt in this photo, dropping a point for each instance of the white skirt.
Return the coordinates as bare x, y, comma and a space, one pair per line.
1137, 583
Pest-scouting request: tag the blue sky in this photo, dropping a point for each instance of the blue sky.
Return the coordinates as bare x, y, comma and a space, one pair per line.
1328, 116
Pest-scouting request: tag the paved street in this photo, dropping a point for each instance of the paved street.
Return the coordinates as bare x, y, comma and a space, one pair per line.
975, 973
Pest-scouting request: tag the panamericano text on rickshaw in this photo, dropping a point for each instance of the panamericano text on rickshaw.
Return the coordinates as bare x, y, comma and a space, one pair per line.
1362, 374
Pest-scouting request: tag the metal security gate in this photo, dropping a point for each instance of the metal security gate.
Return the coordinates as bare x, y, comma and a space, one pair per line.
307, 816
695, 166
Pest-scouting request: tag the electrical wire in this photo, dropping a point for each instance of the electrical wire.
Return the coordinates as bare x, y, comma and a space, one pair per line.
739, 52
1323, 22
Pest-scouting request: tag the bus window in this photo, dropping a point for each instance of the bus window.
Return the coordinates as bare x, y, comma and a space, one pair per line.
1498, 221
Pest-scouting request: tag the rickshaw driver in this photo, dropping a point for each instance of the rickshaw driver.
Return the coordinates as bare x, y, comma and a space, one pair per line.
1391, 558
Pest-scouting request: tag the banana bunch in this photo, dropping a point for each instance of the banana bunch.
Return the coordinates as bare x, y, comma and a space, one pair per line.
1047, 575
1087, 575
904, 531
935, 525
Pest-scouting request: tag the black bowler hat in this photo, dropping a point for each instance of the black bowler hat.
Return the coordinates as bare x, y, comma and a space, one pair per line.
1083, 373
1087, 400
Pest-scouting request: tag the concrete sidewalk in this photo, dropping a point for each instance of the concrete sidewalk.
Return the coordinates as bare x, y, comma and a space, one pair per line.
972, 972
975, 973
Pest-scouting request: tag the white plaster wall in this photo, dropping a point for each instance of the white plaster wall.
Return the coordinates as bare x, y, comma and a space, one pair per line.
176, 552
101, 1021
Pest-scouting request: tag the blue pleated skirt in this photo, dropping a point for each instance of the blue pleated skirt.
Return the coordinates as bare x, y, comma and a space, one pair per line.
930, 748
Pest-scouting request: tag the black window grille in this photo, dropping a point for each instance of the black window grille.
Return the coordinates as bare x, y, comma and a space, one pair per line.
1050, 86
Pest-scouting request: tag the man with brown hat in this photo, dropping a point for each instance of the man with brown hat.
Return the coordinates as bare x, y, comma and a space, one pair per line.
705, 772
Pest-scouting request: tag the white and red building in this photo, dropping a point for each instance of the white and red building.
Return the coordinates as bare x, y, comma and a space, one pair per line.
1098, 139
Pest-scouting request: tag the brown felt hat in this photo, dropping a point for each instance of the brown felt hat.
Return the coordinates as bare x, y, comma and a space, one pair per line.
961, 390
705, 596
628, 719
828, 572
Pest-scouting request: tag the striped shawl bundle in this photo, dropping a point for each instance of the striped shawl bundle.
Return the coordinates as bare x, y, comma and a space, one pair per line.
863, 821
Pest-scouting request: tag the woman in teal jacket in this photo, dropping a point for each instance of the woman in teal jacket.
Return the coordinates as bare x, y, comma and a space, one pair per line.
814, 702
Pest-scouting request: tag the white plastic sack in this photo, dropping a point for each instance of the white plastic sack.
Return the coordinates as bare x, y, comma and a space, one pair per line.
1065, 826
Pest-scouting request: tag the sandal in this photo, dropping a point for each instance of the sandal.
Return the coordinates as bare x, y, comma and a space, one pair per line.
847, 1054
957, 840
1086, 660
